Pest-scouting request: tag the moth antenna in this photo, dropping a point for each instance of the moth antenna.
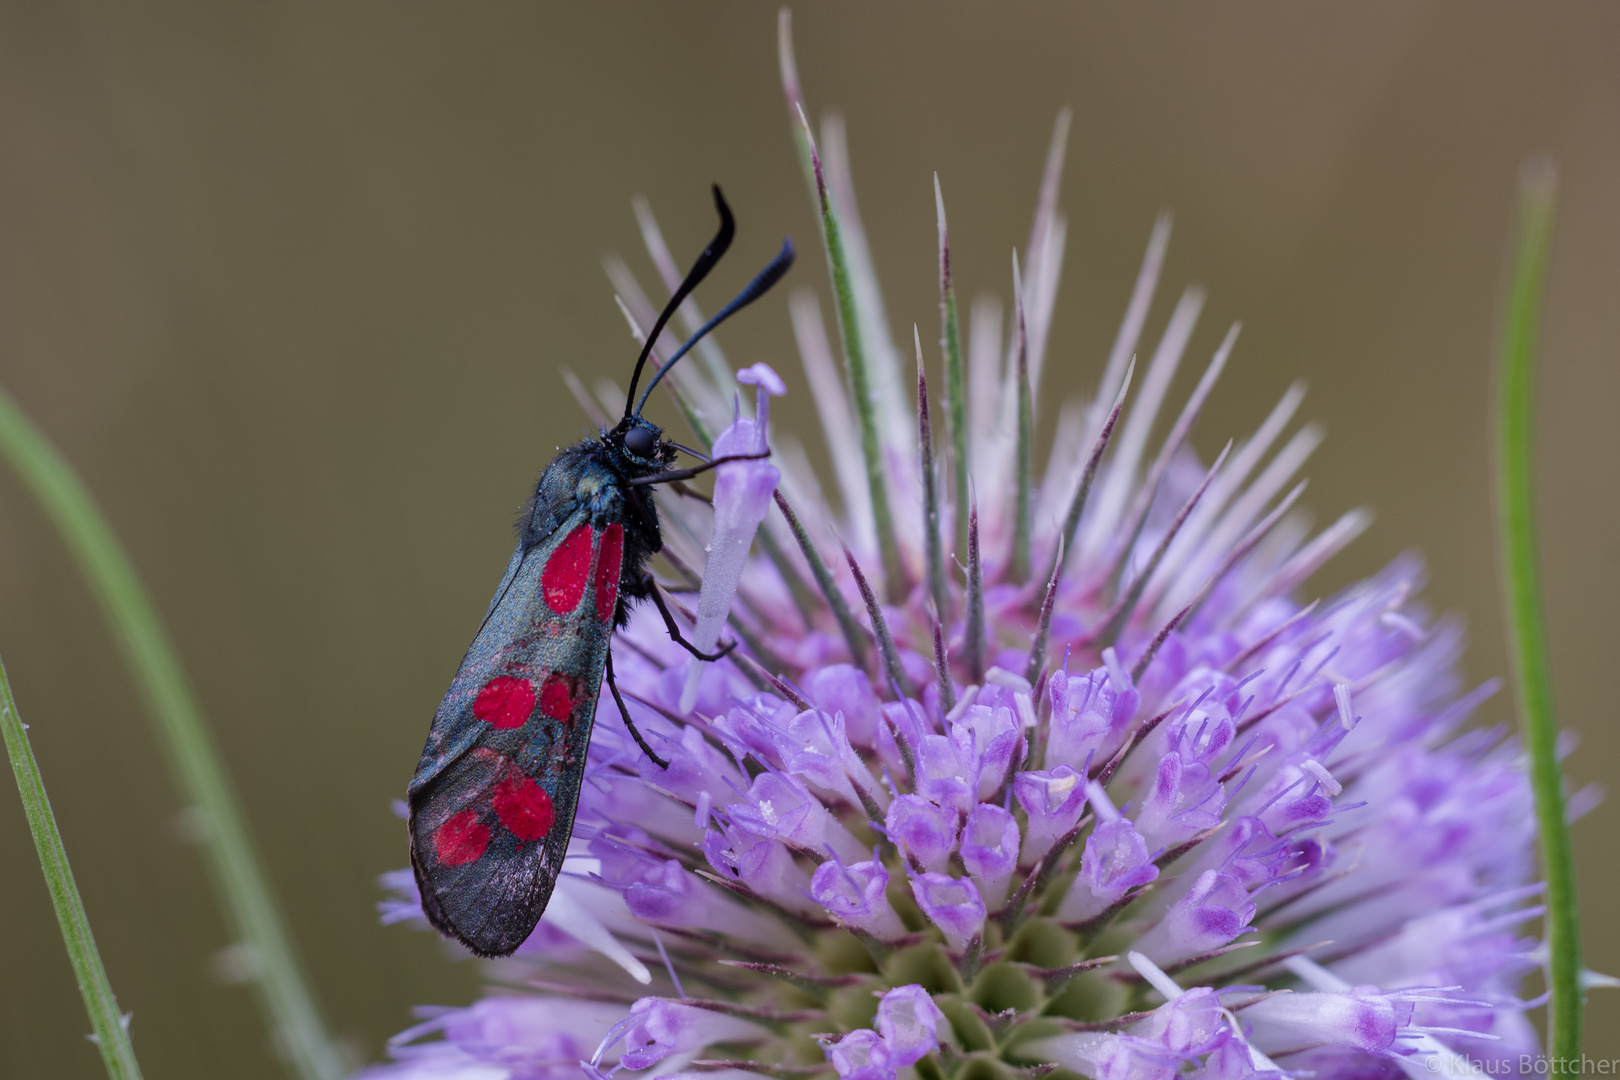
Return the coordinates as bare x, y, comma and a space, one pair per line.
700, 270
755, 289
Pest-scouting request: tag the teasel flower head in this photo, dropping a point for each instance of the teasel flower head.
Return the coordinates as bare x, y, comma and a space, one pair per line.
1014, 768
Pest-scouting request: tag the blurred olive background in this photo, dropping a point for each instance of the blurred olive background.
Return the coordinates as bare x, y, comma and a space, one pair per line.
290, 285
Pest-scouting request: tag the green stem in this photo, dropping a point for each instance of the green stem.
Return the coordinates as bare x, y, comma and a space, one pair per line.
111, 1037
1527, 632
198, 770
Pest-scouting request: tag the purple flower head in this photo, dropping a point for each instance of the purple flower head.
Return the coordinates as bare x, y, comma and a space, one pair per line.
912, 779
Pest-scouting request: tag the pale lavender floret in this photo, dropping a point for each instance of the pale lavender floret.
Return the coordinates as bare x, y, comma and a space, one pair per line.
994, 739
1213, 912
781, 806
862, 1055
1082, 718
924, 833
1109, 1056
1114, 862
546, 1039
855, 896
658, 1028
1053, 800
677, 898
909, 1022
742, 496
1364, 1019
947, 772
990, 850
761, 863
816, 748
1193, 1023
952, 904
844, 688
1183, 799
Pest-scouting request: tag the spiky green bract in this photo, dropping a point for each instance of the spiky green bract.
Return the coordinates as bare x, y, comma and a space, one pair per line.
1526, 622
950, 343
111, 1036
243, 889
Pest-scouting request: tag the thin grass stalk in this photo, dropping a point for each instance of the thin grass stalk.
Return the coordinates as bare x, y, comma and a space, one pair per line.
111, 1036
932, 543
244, 891
950, 344
1526, 624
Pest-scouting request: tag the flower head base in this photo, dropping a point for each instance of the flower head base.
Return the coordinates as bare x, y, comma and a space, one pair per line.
917, 819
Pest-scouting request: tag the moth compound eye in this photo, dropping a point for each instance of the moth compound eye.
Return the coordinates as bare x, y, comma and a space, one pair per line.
640, 442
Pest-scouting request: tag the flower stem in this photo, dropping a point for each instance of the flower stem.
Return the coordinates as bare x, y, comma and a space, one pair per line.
287, 1003
1527, 632
110, 1034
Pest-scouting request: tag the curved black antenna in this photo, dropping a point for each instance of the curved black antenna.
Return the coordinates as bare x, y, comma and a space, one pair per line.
756, 289
700, 270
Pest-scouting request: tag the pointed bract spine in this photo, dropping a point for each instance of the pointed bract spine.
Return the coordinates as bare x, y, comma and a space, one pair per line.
950, 344
973, 628
932, 542
1022, 511
1077, 506
880, 629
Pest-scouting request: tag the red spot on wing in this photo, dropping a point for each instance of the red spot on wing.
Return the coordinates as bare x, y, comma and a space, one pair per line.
609, 559
559, 694
461, 839
523, 807
563, 579
505, 702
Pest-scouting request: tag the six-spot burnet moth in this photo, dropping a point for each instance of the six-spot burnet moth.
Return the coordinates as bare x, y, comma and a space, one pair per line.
492, 802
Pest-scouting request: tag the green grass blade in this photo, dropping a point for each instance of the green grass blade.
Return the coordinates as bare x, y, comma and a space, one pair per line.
1527, 631
199, 773
108, 1023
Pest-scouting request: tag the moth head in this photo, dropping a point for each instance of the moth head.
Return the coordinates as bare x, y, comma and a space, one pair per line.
641, 443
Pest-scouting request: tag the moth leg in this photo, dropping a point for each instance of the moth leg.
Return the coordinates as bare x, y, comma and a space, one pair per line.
625, 712
675, 631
